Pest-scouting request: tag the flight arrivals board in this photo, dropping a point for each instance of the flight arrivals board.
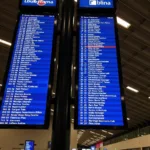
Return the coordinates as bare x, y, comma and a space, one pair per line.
25, 100
39, 3
100, 101
96, 4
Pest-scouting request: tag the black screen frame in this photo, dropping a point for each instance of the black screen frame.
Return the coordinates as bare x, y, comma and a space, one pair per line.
51, 76
97, 10
40, 9
29, 141
76, 126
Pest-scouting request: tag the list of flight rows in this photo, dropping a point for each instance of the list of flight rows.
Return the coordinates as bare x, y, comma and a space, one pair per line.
99, 93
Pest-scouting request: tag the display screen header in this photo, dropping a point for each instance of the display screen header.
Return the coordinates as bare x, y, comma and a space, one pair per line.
39, 3
96, 3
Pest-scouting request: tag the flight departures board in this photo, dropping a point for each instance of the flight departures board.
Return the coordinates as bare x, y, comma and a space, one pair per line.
100, 101
25, 102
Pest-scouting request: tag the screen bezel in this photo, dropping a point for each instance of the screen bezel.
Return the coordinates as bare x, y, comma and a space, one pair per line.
40, 9
76, 126
29, 141
51, 76
96, 9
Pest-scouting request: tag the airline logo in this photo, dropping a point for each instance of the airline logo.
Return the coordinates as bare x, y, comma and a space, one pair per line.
92, 2
39, 2
100, 2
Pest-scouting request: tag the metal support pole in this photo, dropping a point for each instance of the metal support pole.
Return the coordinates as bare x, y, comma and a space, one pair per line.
61, 122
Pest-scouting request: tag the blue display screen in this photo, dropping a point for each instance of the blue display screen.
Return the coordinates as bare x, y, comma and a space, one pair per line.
99, 94
51, 3
96, 3
25, 97
93, 148
29, 145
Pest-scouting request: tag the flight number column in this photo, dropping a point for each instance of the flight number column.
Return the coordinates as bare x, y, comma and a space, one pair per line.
83, 91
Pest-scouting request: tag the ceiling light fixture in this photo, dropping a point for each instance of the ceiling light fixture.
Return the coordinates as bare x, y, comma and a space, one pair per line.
132, 89
95, 133
52, 110
73, 107
123, 23
149, 97
103, 136
110, 133
53, 93
5, 42
104, 131
1, 85
128, 119
92, 132
95, 136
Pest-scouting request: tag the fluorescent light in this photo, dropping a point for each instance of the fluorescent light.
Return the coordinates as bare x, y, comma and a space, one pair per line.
1, 85
95, 136
128, 119
95, 133
123, 23
75, 0
5, 42
107, 132
73, 107
110, 133
52, 110
132, 89
103, 136
92, 132
53, 93
74, 68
